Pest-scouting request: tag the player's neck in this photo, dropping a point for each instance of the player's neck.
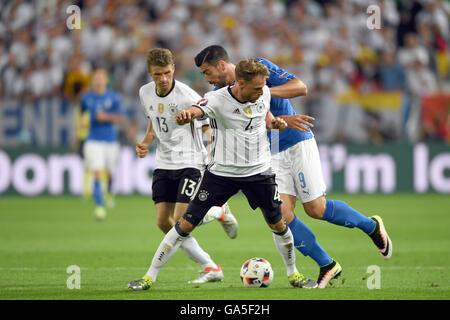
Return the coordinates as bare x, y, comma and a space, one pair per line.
231, 74
236, 93
162, 92
99, 91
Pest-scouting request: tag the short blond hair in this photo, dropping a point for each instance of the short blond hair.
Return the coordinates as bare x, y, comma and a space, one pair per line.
160, 57
248, 69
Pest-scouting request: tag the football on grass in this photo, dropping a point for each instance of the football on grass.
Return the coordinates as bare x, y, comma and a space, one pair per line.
256, 273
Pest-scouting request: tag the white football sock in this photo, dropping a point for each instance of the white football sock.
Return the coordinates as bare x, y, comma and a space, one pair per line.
193, 250
167, 248
285, 245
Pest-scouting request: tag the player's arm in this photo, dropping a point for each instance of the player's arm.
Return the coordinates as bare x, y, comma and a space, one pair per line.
150, 136
206, 129
283, 84
189, 114
103, 116
298, 121
117, 116
291, 89
275, 123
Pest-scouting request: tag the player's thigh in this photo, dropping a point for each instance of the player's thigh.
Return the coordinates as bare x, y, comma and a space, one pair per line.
307, 171
263, 192
164, 189
111, 157
94, 154
164, 215
288, 206
212, 191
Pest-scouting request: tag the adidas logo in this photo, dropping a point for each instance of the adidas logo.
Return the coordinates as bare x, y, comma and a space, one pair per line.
237, 111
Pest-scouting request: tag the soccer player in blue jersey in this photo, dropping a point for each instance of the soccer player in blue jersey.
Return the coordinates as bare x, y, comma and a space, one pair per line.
101, 149
296, 162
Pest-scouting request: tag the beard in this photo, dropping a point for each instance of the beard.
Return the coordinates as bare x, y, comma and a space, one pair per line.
222, 81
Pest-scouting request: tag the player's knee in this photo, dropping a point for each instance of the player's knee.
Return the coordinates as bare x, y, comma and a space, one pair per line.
315, 209
287, 213
184, 226
280, 226
274, 219
164, 225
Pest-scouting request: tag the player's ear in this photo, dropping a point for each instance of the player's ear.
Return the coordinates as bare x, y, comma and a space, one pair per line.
241, 83
221, 65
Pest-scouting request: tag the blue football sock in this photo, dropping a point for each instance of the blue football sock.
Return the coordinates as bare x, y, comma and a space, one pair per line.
340, 213
98, 194
305, 242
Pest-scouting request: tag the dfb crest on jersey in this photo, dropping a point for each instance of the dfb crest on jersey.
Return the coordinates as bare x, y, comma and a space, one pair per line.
260, 107
173, 108
161, 107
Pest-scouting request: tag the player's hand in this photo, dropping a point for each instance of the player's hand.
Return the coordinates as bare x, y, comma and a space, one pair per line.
298, 122
183, 117
278, 123
141, 149
102, 116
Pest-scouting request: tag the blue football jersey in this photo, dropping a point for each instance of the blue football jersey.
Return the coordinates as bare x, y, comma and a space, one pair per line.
279, 106
108, 102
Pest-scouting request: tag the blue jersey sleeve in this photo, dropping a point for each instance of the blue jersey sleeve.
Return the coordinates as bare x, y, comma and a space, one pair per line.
278, 76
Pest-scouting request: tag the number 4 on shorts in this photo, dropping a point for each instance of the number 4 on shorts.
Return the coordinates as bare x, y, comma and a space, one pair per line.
276, 195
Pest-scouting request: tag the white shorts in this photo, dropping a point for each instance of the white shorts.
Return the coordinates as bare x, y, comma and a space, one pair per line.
298, 171
99, 155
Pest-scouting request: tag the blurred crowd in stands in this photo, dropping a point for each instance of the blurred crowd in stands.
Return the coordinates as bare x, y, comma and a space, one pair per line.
326, 43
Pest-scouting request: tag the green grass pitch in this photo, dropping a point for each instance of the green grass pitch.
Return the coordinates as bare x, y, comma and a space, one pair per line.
41, 237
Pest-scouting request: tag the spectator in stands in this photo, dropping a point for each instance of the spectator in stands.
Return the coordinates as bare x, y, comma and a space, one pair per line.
36, 48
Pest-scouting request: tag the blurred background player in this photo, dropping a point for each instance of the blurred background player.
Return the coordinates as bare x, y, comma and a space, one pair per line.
296, 162
242, 113
73, 89
179, 157
101, 148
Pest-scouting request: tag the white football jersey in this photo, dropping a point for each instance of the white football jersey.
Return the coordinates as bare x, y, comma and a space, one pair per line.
178, 146
240, 147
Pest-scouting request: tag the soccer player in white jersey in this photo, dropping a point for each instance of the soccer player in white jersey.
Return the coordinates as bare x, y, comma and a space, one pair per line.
179, 157
296, 162
240, 160
101, 149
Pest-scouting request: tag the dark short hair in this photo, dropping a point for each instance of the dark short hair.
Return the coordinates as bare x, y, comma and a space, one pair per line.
212, 55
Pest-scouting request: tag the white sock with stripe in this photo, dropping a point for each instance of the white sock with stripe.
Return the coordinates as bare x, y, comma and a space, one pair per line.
167, 248
285, 245
193, 250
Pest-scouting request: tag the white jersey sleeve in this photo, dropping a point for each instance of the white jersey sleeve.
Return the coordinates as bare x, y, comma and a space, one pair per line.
142, 100
208, 104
